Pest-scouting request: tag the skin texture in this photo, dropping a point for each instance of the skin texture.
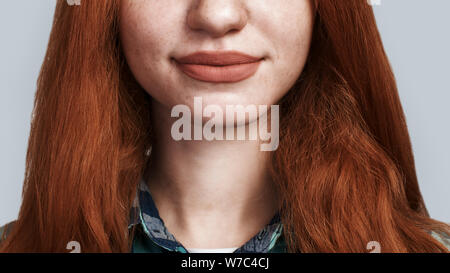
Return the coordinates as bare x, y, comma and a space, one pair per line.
218, 184
155, 31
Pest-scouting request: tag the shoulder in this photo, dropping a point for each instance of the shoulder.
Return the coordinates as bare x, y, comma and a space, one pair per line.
443, 238
5, 230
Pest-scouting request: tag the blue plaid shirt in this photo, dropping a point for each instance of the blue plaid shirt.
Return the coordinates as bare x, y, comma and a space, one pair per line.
152, 235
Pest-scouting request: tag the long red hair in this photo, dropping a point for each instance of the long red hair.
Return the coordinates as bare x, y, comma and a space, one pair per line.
344, 168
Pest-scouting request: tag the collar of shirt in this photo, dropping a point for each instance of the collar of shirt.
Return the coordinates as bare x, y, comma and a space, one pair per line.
153, 232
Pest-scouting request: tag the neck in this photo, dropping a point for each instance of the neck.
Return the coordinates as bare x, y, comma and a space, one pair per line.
209, 189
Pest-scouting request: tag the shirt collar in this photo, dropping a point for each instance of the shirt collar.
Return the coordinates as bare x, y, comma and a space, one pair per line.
145, 215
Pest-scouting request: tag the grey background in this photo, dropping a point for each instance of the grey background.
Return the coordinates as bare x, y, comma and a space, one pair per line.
415, 34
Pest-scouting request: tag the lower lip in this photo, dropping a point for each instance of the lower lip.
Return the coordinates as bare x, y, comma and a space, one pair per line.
220, 74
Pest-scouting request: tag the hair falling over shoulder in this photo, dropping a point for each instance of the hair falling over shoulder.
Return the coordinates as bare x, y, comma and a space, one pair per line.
344, 168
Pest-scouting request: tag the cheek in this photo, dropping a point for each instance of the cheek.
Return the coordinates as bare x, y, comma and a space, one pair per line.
140, 39
291, 34
147, 32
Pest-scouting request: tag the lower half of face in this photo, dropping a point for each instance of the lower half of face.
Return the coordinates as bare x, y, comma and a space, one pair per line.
234, 52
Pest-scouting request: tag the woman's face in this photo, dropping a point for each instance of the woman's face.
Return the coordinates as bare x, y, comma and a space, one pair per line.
157, 35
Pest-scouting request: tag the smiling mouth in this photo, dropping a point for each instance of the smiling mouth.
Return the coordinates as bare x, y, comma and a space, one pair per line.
219, 67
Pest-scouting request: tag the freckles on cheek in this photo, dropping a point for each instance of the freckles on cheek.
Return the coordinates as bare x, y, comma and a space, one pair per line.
287, 31
141, 27
142, 42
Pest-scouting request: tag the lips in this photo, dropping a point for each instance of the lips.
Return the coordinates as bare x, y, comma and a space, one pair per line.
219, 67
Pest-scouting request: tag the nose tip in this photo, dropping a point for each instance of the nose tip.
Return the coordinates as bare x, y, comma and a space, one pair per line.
217, 17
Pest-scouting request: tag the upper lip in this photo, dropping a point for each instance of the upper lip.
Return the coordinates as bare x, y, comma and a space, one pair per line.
218, 58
